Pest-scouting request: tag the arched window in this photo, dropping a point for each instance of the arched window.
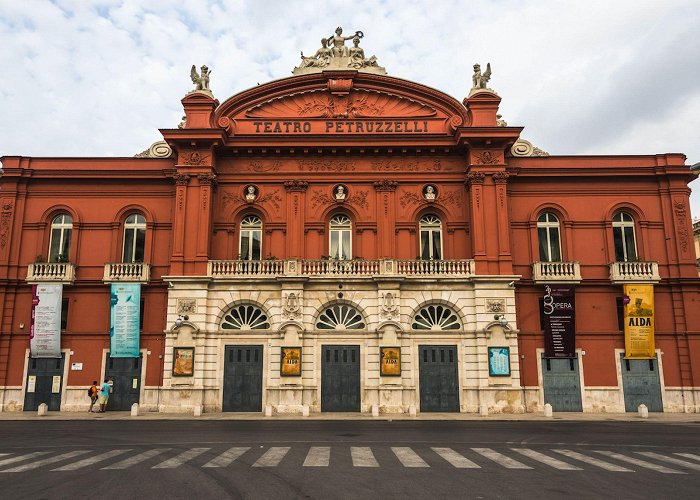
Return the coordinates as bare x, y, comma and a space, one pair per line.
548, 235
436, 318
251, 238
340, 317
430, 237
623, 237
61, 232
245, 317
340, 228
134, 238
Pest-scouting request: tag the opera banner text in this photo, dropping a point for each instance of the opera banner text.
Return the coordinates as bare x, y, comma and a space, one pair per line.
559, 321
639, 322
125, 302
45, 326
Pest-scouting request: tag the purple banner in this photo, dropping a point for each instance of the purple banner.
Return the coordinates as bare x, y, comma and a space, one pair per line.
559, 321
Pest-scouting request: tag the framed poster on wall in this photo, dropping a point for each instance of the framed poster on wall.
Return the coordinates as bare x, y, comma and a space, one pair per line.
183, 361
290, 364
499, 361
390, 361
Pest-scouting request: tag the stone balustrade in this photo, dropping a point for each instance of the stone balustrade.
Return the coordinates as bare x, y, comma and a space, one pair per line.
356, 267
135, 272
51, 272
634, 272
569, 272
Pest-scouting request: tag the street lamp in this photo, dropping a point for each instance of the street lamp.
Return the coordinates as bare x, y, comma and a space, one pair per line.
180, 319
501, 319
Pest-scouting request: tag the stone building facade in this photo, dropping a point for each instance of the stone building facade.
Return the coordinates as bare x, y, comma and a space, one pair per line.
344, 240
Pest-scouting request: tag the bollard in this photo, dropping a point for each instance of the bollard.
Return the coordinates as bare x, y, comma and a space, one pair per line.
268, 410
484, 410
135, 410
375, 410
198, 410
43, 410
643, 411
547, 410
305, 411
412, 411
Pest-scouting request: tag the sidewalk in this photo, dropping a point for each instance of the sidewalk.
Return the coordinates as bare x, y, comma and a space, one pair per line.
670, 418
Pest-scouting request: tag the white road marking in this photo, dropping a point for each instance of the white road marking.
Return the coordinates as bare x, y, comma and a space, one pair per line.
664, 458
640, 463
408, 457
318, 456
688, 455
455, 458
137, 459
180, 459
92, 460
272, 457
20, 458
503, 460
226, 457
545, 459
46, 461
362, 457
593, 461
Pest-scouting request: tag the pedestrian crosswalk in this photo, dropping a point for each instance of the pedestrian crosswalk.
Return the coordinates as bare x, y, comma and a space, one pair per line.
473, 458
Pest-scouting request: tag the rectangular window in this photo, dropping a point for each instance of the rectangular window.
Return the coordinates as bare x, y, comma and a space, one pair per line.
64, 313
554, 242
629, 244
436, 245
542, 238
619, 248
140, 245
425, 245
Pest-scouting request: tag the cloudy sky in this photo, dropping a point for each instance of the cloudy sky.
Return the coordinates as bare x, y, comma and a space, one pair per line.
99, 77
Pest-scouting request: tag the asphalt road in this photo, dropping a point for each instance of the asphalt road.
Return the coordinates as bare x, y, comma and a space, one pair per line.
346, 459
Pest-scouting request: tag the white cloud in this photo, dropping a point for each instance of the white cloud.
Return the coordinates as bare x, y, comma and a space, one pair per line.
597, 77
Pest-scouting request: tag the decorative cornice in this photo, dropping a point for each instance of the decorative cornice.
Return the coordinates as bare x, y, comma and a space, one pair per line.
385, 185
296, 185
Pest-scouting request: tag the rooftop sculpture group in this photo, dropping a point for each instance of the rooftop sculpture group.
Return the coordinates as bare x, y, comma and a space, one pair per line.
201, 82
334, 54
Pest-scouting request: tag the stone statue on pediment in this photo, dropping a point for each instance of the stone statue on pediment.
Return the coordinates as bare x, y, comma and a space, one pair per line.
320, 59
338, 42
201, 82
357, 55
480, 81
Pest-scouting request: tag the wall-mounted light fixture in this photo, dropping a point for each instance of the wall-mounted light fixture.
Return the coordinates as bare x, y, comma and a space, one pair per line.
180, 319
501, 319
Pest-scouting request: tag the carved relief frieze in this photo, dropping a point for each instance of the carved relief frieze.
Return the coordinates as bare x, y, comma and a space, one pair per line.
271, 197
264, 166
357, 104
194, 158
292, 302
181, 179
207, 179
186, 306
683, 233
453, 198
488, 158
385, 185
318, 198
398, 165
389, 302
359, 199
475, 178
326, 165
5, 218
500, 177
495, 305
296, 185
410, 198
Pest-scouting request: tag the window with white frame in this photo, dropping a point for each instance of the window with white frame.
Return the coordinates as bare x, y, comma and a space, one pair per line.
430, 229
134, 238
548, 236
340, 229
61, 232
624, 237
251, 238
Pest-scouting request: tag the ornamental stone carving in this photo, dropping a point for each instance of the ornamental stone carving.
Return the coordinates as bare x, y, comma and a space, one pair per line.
194, 158
201, 81
296, 185
475, 178
186, 306
292, 302
495, 305
480, 80
385, 185
335, 55
500, 177
207, 179
159, 149
525, 148
5, 218
389, 302
181, 179
487, 158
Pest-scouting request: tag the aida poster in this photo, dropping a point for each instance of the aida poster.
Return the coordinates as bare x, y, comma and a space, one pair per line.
291, 362
639, 322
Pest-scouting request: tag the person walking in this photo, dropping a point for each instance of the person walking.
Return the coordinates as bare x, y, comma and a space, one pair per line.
104, 396
93, 395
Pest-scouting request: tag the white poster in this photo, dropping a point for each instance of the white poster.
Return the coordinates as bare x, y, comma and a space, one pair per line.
45, 326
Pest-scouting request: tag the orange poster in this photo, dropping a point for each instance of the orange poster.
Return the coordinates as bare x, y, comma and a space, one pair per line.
639, 322
291, 362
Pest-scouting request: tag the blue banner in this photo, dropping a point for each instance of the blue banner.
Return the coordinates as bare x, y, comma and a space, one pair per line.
125, 311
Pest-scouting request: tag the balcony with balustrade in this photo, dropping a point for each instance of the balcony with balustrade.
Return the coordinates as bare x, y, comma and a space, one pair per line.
223, 269
127, 272
634, 272
556, 272
51, 272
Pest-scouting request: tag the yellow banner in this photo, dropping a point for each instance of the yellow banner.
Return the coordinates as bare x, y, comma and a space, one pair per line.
639, 322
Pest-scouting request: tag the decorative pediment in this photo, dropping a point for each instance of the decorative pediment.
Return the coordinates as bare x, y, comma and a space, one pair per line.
358, 104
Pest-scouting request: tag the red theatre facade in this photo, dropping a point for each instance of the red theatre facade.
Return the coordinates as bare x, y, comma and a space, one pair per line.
343, 240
